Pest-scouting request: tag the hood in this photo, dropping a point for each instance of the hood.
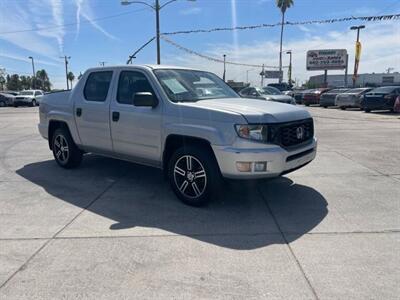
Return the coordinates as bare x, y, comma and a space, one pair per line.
255, 110
24, 96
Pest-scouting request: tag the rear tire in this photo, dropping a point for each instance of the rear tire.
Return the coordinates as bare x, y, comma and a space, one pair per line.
343, 107
367, 110
66, 153
15, 105
194, 175
307, 104
33, 103
2, 104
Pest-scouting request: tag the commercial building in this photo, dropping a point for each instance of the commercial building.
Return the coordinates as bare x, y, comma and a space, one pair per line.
372, 79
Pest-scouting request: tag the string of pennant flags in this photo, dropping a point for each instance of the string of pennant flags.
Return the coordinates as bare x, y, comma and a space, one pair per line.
163, 36
290, 23
189, 51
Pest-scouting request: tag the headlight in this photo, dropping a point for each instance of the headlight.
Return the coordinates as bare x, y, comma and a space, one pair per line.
253, 132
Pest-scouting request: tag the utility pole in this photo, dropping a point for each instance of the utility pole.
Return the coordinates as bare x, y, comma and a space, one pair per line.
262, 76
290, 67
358, 49
34, 73
102, 63
66, 58
224, 74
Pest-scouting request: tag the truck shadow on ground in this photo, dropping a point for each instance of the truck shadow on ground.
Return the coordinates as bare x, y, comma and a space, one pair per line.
138, 201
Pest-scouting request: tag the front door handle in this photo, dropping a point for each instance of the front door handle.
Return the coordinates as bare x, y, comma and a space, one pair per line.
79, 112
115, 116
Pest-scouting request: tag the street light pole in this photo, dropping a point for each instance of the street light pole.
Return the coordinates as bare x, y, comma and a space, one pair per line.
290, 67
356, 59
156, 7
34, 73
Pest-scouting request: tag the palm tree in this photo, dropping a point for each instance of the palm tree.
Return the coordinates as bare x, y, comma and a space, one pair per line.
283, 5
71, 77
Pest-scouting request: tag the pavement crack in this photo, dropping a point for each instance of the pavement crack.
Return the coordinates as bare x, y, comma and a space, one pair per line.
288, 244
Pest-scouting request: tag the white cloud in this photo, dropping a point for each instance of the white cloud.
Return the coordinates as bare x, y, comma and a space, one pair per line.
380, 41
84, 10
26, 59
20, 16
191, 11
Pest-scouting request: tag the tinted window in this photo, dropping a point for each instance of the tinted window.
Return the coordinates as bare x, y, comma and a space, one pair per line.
97, 85
38, 93
26, 93
244, 91
129, 84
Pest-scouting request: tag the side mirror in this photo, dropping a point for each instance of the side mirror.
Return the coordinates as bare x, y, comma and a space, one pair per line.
146, 99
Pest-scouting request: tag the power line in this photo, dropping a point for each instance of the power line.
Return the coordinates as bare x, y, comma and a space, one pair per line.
187, 50
296, 23
72, 24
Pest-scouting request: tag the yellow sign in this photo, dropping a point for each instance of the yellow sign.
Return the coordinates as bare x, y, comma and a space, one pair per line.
358, 50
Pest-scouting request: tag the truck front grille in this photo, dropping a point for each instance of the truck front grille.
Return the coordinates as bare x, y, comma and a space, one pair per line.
293, 133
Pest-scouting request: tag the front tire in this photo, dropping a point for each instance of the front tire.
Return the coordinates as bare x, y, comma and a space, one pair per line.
33, 103
2, 104
194, 175
66, 153
367, 110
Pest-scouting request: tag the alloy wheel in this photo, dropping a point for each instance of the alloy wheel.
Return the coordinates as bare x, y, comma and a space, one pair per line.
61, 149
190, 176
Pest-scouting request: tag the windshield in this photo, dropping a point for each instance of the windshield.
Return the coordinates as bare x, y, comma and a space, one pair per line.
269, 90
383, 90
356, 91
26, 93
192, 86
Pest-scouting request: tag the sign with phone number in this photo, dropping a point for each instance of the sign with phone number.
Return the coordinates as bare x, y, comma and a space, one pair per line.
329, 59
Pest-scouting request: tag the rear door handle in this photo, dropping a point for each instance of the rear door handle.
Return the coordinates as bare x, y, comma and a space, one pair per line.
79, 112
115, 116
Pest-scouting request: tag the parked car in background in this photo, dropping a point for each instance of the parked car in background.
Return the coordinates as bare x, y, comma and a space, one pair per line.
381, 98
298, 95
28, 97
267, 93
313, 96
351, 98
328, 99
281, 86
6, 99
158, 116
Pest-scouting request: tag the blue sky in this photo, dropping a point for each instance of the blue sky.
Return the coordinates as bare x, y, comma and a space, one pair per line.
112, 39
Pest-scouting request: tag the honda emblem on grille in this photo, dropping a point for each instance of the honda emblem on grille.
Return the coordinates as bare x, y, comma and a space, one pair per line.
300, 133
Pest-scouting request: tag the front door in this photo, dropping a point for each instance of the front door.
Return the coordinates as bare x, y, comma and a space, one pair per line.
135, 131
92, 112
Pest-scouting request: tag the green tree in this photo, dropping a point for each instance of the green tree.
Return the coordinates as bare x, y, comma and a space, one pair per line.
42, 80
71, 77
25, 82
13, 82
283, 5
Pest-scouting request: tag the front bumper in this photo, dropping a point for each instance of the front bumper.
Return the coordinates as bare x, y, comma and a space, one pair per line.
278, 160
22, 101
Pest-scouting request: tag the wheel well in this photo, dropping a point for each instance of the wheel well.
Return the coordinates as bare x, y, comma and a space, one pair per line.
53, 125
174, 142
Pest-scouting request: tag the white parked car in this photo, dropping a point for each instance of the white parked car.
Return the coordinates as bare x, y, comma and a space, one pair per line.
28, 97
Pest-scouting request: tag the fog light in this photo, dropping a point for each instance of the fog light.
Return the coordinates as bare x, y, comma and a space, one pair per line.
243, 166
260, 166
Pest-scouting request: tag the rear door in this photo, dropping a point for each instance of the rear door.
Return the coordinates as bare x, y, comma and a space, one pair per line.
135, 131
92, 111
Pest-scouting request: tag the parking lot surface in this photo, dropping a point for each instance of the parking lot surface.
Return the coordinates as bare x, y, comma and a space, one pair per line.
114, 230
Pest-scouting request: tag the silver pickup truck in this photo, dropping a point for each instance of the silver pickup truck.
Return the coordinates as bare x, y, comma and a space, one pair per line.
187, 122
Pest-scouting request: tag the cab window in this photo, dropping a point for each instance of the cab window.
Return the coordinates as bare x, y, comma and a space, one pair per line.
130, 83
97, 86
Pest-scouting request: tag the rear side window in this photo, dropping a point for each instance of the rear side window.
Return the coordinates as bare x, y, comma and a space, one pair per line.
97, 85
130, 83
